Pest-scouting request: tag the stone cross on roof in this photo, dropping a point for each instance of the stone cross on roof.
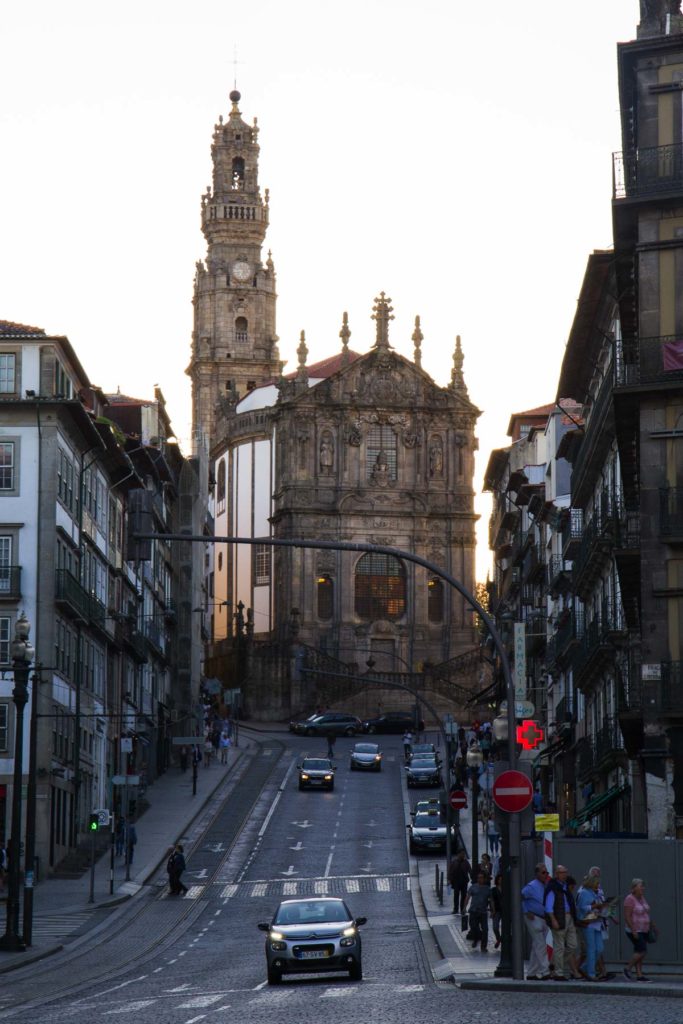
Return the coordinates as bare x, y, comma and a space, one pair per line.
382, 313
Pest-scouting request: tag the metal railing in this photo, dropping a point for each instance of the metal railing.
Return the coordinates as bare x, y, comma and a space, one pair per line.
10, 582
648, 171
69, 592
572, 531
671, 512
650, 361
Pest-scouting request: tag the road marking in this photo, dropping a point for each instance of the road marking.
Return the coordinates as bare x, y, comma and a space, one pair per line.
352, 885
140, 1004
290, 871
193, 892
382, 884
289, 889
320, 888
299, 846
332, 993
192, 1020
124, 984
229, 891
199, 1001
303, 824
259, 889
329, 862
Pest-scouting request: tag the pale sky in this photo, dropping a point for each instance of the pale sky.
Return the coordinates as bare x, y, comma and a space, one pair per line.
456, 155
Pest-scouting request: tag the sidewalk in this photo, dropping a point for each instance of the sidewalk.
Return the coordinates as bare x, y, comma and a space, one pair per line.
61, 905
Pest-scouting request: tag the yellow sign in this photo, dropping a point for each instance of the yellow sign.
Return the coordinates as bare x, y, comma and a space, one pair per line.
547, 822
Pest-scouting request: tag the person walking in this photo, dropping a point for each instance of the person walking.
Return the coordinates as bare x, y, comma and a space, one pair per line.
497, 908
493, 836
183, 759
176, 866
225, 743
120, 835
459, 875
561, 915
640, 928
480, 906
407, 745
208, 751
588, 919
533, 908
131, 840
330, 744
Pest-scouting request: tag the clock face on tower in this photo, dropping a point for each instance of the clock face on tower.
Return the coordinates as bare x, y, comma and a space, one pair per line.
241, 271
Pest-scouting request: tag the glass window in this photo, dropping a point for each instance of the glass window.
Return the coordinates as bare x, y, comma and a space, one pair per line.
261, 565
5, 563
325, 597
4, 726
380, 587
7, 466
381, 450
8, 362
5, 624
220, 486
435, 594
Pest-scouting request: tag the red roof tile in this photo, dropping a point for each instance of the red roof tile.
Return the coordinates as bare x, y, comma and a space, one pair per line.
8, 327
327, 367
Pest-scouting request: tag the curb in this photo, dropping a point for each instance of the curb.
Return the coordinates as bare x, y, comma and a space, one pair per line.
583, 988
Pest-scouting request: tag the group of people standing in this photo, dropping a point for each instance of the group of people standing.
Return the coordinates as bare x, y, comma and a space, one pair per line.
476, 899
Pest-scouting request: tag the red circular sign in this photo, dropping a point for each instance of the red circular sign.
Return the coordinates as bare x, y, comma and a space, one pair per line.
457, 798
512, 791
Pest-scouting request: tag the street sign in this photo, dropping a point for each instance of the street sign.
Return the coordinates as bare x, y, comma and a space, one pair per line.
523, 708
529, 734
103, 816
125, 780
512, 791
547, 822
457, 798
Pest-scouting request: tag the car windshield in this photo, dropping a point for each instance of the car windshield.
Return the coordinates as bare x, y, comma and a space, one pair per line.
423, 762
365, 748
312, 764
312, 912
427, 821
423, 748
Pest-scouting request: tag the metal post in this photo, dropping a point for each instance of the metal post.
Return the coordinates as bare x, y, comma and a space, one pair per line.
30, 846
91, 897
126, 832
504, 968
475, 820
111, 854
194, 772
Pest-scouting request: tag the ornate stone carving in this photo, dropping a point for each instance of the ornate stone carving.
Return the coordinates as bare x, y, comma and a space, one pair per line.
326, 456
435, 457
325, 561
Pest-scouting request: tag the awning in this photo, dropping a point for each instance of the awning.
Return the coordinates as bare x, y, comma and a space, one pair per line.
548, 751
598, 804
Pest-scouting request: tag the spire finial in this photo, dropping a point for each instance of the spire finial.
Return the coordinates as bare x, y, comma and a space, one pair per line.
345, 334
418, 338
382, 314
457, 377
302, 352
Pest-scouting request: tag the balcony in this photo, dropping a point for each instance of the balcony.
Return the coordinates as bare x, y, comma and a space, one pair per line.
657, 688
137, 644
671, 514
608, 744
533, 566
558, 578
97, 613
10, 583
71, 596
568, 636
650, 361
595, 549
648, 172
536, 631
572, 532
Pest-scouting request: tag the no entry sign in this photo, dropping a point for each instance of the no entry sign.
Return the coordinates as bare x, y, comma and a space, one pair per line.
512, 791
457, 798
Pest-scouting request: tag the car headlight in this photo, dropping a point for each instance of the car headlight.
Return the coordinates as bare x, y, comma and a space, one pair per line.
303, 776
347, 942
378, 757
278, 947
349, 931
328, 778
276, 936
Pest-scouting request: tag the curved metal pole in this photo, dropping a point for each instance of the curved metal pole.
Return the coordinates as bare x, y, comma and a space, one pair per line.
381, 549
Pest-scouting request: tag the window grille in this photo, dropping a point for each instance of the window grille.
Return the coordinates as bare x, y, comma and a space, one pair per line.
380, 587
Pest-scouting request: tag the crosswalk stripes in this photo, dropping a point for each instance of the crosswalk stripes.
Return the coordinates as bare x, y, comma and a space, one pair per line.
229, 891
301, 887
54, 925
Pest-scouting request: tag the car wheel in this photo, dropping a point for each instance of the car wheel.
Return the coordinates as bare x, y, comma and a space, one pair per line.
274, 976
371, 728
350, 731
331, 787
413, 848
378, 768
301, 785
356, 972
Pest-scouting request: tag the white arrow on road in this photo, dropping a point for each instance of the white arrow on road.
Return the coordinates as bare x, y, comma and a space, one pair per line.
199, 874
371, 823
303, 824
367, 867
215, 847
299, 846
290, 871
368, 845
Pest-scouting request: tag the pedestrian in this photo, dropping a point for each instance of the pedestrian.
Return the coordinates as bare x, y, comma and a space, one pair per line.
330, 744
183, 759
497, 907
459, 875
170, 871
605, 916
119, 835
3, 863
486, 866
131, 840
640, 928
561, 916
480, 906
225, 744
493, 835
208, 751
407, 745
588, 919
216, 739
176, 866
533, 908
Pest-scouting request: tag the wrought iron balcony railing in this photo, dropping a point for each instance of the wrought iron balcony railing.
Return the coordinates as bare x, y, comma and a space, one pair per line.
650, 361
671, 513
572, 531
10, 582
71, 595
648, 172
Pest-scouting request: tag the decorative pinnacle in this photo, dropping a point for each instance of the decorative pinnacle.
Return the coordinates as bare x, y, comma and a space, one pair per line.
382, 314
457, 378
418, 338
302, 352
345, 334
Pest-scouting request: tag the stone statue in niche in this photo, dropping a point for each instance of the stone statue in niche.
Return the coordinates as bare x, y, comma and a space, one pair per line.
380, 471
435, 460
326, 455
354, 437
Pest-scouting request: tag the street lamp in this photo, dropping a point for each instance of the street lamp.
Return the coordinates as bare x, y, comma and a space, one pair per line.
475, 759
22, 656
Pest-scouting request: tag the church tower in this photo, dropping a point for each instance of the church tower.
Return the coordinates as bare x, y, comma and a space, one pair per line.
234, 344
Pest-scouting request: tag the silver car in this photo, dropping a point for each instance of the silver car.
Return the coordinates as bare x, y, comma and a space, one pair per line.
367, 756
310, 936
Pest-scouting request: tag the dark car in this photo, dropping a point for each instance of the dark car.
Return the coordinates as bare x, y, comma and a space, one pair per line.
308, 936
366, 756
428, 831
339, 723
316, 773
392, 722
423, 772
422, 749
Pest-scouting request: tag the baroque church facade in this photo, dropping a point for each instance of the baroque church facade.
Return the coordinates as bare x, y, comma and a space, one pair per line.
356, 448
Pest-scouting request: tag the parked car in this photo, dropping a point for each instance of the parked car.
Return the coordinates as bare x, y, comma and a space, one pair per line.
312, 935
423, 772
366, 756
422, 749
392, 722
316, 773
433, 803
428, 831
338, 722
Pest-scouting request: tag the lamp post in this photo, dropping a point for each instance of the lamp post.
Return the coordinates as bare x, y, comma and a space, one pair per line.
22, 656
475, 759
505, 964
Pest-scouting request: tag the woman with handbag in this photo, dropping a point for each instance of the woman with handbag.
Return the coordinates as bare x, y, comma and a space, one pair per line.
588, 919
640, 928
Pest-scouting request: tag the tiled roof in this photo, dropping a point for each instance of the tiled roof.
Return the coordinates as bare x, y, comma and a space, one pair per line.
119, 399
9, 329
542, 410
327, 367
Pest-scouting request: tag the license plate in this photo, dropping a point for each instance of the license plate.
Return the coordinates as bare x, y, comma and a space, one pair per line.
316, 782
313, 954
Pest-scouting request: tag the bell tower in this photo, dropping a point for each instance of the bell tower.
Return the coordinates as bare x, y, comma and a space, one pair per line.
234, 344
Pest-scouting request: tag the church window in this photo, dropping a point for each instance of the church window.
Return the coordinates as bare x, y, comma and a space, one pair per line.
380, 450
220, 487
435, 594
241, 329
237, 173
262, 562
325, 597
380, 587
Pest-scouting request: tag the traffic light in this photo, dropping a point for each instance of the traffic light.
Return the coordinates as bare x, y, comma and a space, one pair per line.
94, 823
